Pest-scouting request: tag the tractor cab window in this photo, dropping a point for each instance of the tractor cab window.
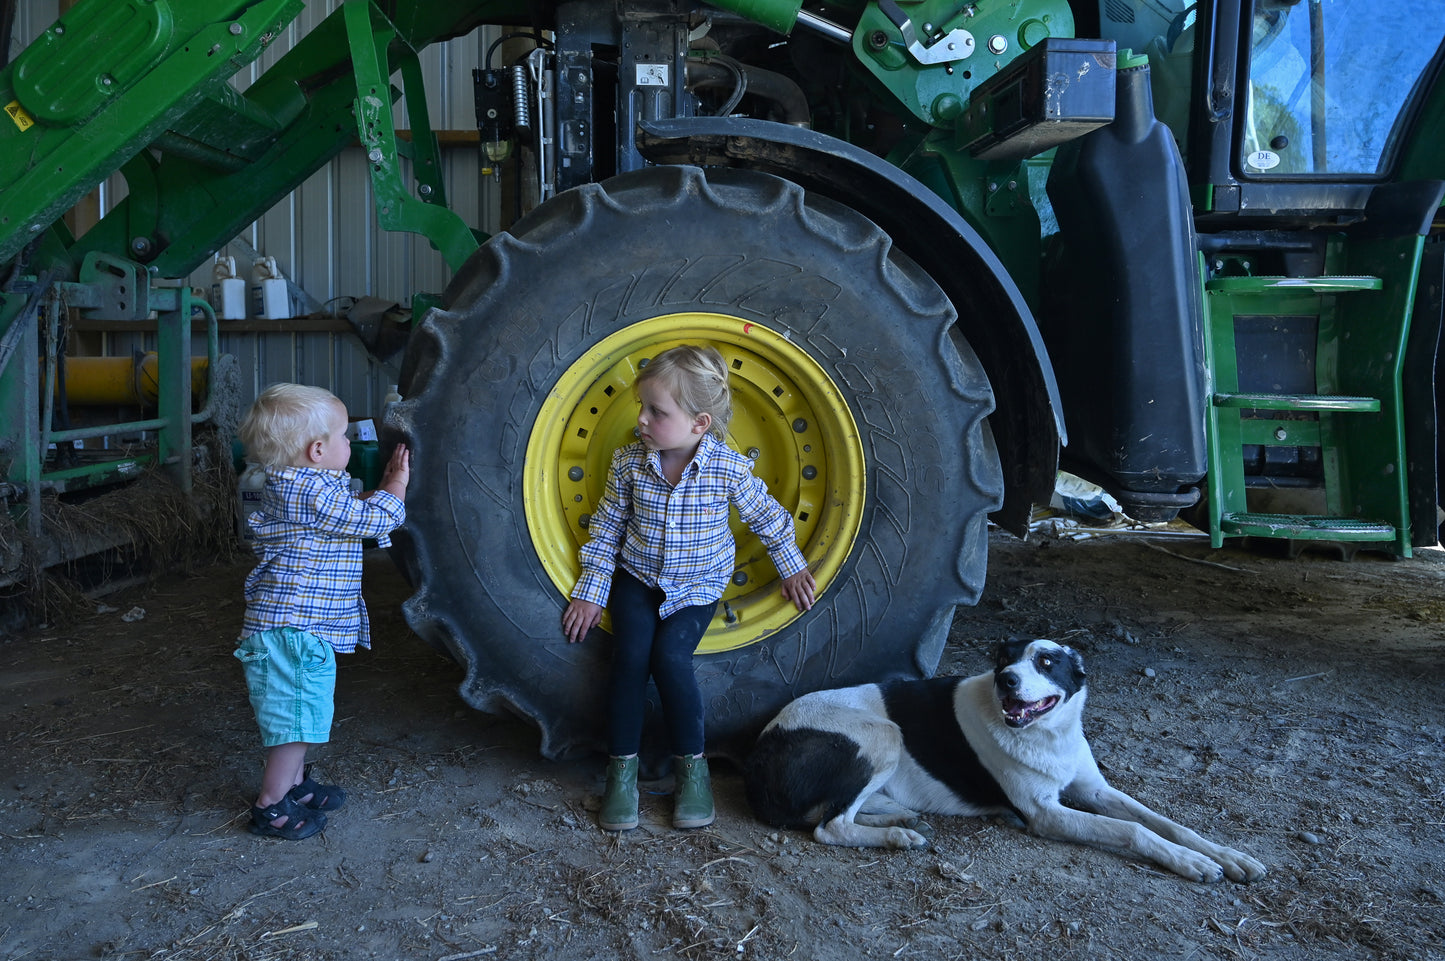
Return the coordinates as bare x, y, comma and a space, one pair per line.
1328, 81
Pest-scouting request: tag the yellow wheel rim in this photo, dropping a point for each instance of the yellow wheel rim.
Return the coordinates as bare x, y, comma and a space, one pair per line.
788, 417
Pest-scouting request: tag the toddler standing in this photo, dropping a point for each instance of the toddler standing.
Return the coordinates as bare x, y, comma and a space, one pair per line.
303, 600
660, 557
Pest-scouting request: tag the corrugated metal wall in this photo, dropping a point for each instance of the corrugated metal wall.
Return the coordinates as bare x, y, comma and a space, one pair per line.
324, 235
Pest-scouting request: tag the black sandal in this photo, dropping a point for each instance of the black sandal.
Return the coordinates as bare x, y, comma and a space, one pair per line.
324, 797
300, 822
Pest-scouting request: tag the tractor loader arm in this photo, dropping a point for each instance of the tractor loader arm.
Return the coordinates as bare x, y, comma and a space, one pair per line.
142, 87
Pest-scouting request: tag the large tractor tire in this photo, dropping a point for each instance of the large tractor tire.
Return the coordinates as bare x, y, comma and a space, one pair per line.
861, 412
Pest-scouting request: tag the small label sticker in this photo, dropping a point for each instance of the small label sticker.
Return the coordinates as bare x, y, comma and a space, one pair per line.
652, 74
17, 113
1263, 160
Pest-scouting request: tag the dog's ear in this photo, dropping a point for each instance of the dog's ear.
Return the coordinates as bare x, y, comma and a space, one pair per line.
1007, 652
1077, 661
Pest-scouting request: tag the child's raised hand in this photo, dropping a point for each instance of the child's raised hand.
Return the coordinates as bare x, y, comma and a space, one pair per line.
397, 475
579, 618
800, 589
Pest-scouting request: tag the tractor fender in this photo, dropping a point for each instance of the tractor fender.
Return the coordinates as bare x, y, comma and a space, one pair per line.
1028, 423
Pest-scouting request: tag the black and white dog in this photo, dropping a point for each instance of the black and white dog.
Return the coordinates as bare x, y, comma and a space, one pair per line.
858, 764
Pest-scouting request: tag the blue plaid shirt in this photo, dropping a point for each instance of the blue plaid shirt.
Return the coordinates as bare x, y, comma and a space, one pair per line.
676, 537
308, 534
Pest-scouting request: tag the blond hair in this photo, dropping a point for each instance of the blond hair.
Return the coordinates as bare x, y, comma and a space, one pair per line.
697, 378
284, 420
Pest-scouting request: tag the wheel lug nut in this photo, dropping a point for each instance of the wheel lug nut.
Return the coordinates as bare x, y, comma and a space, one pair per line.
574, 473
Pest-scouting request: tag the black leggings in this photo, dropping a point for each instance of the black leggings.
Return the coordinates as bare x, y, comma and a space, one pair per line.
647, 644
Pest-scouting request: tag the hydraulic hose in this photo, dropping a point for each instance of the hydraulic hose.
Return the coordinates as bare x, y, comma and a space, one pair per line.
777, 89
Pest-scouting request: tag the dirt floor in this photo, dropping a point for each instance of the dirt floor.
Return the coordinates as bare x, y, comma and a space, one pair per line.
1290, 708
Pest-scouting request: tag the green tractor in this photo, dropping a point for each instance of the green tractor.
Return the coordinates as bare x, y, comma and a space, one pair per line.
1188, 251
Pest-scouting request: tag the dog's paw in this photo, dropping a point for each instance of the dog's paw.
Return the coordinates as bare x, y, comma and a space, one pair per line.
1196, 867
919, 825
1239, 866
903, 838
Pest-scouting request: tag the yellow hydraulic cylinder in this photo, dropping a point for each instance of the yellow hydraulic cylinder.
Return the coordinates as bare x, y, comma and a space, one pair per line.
101, 381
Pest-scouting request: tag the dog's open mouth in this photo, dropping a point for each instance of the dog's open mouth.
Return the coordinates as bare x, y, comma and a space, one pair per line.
1018, 713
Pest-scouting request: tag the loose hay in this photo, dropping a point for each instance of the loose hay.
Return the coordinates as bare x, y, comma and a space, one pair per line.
132, 532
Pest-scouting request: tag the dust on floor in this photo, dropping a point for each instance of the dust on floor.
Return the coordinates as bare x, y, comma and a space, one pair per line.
1289, 708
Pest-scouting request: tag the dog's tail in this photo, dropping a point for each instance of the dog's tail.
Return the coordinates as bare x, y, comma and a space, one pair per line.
802, 777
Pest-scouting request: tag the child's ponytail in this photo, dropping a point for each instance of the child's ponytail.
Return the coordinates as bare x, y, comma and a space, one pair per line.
697, 378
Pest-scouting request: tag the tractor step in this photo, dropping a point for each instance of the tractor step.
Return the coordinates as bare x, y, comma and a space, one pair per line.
1363, 405
1339, 406
1276, 285
1307, 527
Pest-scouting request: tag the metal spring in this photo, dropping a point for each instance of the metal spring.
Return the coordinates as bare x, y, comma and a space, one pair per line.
521, 101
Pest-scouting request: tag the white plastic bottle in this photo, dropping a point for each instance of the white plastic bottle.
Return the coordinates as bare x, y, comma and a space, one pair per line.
228, 292
392, 398
270, 299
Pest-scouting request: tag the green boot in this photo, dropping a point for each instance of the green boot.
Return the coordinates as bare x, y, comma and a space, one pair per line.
692, 793
619, 801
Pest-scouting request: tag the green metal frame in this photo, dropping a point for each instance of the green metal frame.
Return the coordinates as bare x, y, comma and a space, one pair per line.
937, 93
375, 45
89, 115
118, 290
1358, 403
218, 160
994, 197
225, 158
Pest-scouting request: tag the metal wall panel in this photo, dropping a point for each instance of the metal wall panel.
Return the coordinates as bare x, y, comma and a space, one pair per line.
324, 235
31, 19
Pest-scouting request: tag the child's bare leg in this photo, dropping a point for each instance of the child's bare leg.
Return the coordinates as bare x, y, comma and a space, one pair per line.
284, 765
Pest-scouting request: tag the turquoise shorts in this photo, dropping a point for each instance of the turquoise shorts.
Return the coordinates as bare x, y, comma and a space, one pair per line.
291, 676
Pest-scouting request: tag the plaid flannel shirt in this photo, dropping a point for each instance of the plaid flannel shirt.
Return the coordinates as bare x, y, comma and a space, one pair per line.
676, 537
308, 534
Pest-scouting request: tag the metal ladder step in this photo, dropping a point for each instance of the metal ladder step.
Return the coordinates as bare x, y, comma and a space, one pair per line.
1306, 527
1363, 405
1270, 285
